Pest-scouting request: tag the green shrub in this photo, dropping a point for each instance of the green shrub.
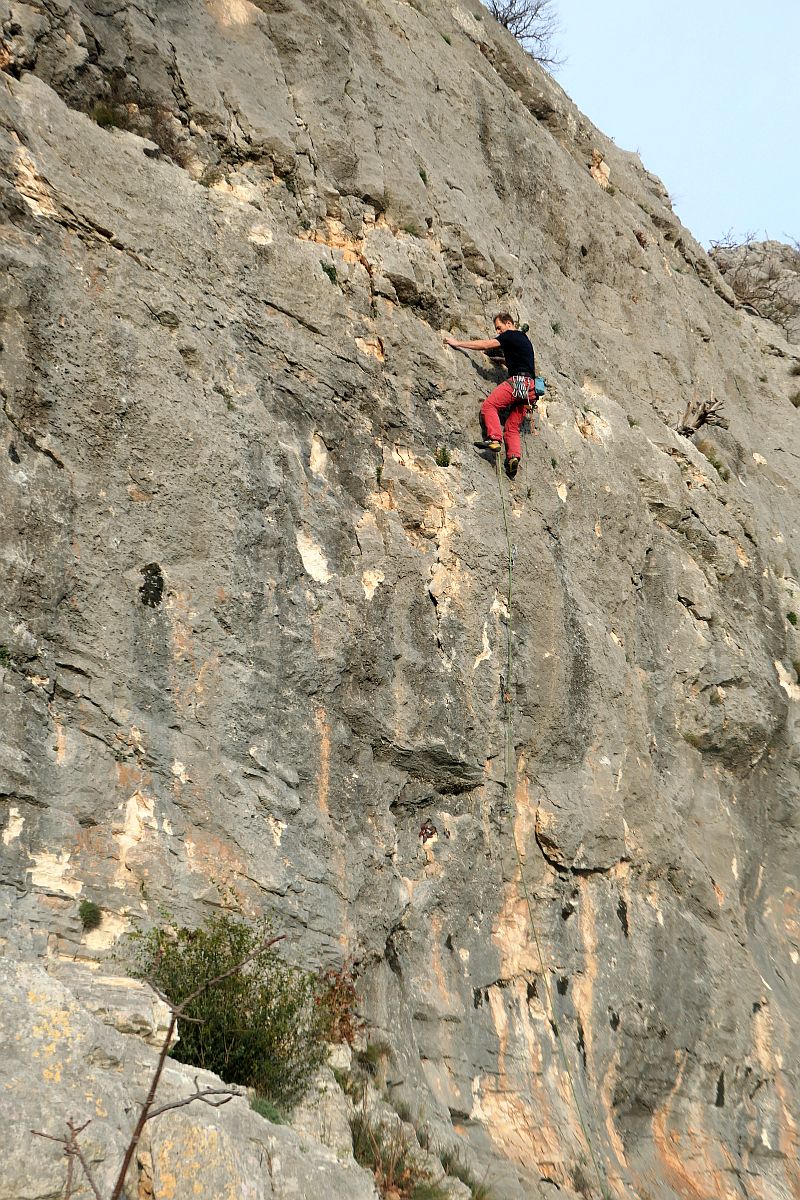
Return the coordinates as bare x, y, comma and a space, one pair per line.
91, 915
442, 457
5, 656
555, 326
265, 1026
423, 174
330, 271
791, 617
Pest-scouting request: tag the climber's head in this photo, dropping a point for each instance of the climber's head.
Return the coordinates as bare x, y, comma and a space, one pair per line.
504, 321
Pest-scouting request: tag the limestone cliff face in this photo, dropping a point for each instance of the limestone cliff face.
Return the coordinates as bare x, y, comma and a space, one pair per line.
253, 636
765, 276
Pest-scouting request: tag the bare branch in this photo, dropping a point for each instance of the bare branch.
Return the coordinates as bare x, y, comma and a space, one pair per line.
534, 23
701, 412
202, 1094
69, 1189
50, 1136
78, 1153
72, 1150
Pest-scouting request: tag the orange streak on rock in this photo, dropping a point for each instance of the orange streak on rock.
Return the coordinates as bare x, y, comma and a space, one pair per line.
583, 985
324, 770
607, 1095
61, 743
691, 1159
336, 237
214, 859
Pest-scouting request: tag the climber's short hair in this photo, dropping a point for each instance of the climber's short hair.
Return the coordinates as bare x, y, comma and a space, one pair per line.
505, 317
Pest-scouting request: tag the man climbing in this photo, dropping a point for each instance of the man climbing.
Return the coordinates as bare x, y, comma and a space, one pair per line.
513, 394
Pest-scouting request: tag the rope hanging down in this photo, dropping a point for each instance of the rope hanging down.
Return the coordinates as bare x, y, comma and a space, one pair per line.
508, 703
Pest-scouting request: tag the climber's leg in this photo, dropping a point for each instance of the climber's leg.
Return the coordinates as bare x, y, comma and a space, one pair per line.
501, 397
512, 429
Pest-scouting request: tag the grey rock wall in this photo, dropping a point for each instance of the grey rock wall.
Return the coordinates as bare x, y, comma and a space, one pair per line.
253, 637
766, 277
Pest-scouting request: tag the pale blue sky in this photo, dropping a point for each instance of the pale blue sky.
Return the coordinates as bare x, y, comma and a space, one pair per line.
708, 91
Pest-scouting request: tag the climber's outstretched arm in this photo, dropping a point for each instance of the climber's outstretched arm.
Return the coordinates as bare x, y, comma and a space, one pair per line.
481, 344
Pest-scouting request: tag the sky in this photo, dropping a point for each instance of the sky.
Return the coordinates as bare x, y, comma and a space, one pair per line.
708, 92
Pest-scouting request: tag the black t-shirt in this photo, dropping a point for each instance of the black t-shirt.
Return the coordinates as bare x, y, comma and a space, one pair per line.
518, 352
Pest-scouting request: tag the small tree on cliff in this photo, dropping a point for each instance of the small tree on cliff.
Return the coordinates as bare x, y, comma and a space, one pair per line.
534, 23
764, 275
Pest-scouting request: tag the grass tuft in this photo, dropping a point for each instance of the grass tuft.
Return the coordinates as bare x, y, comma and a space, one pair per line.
91, 915
386, 1149
266, 1109
330, 271
371, 1056
110, 116
457, 1168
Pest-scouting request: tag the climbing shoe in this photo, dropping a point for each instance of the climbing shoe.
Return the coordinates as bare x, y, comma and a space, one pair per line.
512, 466
489, 444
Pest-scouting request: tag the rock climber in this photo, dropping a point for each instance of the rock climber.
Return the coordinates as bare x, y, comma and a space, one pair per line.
514, 394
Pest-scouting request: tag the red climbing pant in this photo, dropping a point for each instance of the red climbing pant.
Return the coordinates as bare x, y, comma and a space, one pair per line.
503, 397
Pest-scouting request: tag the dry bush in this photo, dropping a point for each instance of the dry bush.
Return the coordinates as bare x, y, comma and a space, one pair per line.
534, 23
763, 275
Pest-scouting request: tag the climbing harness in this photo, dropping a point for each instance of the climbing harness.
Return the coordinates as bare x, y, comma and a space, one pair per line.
520, 388
508, 703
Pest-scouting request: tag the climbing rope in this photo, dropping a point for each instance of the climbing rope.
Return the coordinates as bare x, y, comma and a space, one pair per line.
508, 703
